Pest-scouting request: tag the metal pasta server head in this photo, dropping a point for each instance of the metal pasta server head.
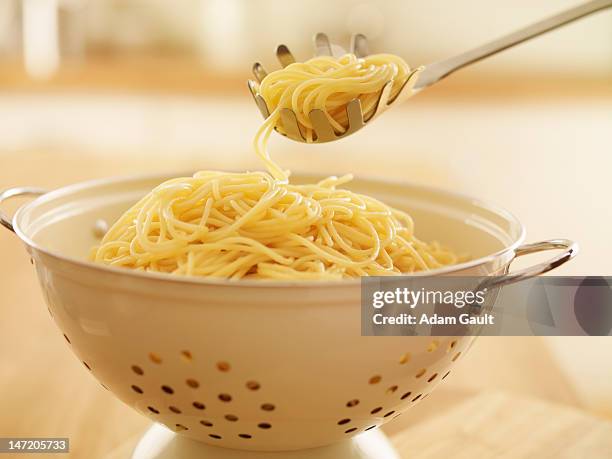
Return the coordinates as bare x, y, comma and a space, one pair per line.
323, 130
419, 79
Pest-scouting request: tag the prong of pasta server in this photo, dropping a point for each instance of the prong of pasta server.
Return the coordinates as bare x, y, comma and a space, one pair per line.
261, 104
383, 100
259, 101
354, 115
408, 86
284, 55
359, 45
259, 72
291, 125
322, 45
385, 94
322, 126
252, 87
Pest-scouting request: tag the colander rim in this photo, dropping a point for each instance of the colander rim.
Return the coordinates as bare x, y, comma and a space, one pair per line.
221, 282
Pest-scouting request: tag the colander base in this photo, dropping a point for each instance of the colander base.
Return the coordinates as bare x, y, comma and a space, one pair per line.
161, 443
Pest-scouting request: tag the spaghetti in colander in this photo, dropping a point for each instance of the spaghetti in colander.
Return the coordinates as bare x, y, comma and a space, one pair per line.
259, 224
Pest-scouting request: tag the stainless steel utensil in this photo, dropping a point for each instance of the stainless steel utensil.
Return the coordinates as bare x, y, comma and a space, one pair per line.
419, 79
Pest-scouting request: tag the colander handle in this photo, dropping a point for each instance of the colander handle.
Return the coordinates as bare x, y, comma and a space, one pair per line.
569, 251
14, 193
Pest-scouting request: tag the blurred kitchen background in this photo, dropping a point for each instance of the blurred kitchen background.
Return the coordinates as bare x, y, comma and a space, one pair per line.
91, 88
158, 78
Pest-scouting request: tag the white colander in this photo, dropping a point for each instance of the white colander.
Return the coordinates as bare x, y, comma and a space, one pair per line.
253, 366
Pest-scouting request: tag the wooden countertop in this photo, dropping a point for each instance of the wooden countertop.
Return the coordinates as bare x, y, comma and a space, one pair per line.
497, 424
44, 391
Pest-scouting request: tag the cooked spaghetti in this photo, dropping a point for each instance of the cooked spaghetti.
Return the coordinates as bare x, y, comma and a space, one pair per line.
329, 84
258, 224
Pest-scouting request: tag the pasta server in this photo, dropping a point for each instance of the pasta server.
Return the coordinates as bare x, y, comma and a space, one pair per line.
419, 79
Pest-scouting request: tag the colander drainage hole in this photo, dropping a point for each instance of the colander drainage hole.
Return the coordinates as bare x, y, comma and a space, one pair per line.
152, 410
376, 410
370, 428
186, 356
66, 338
247, 436
155, 358
223, 366
225, 397
215, 436
136, 369
352, 403
456, 356
432, 377
352, 429
421, 372
86, 365
391, 390
198, 405
253, 385
194, 384
433, 346
174, 409
451, 345
404, 358
446, 374
406, 395
136, 389
181, 427
264, 425
167, 389
268, 407
416, 398
341, 422
231, 417
390, 413
206, 423
375, 379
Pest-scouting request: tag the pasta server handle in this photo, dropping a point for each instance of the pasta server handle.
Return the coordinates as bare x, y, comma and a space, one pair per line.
438, 70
